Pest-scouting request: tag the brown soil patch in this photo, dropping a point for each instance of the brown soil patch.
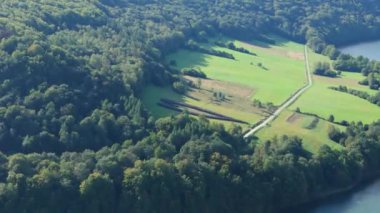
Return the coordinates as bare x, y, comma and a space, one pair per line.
225, 87
295, 55
337, 81
237, 97
293, 118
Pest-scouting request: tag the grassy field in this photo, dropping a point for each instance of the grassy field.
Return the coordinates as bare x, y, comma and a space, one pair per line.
290, 123
349, 79
323, 101
282, 75
153, 94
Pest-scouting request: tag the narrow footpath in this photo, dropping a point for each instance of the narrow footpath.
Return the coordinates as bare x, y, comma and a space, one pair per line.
289, 101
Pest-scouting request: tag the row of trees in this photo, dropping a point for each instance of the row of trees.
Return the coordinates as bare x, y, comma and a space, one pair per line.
324, 69
375, 99
369, 69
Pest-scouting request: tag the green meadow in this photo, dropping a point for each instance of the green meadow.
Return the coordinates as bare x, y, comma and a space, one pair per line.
293, 124
281, 74
324, 102
273, 74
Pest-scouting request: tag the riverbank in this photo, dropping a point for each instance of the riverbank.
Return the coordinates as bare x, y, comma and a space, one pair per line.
367, 49
333, 194
355, 41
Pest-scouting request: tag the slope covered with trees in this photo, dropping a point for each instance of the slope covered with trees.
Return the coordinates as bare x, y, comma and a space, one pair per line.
73, 67
71, 124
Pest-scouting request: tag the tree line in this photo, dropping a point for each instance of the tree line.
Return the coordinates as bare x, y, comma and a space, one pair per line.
72, 125
188, 165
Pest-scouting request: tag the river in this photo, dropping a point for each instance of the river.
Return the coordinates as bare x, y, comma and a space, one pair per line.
367, 198
368, 49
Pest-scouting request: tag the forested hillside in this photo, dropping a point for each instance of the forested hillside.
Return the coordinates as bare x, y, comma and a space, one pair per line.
75, 136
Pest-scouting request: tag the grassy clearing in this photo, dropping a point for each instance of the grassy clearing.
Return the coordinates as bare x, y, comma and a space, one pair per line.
323, 101
349, 79
281, 74
272, 75
281, 44
290, 123
152, 95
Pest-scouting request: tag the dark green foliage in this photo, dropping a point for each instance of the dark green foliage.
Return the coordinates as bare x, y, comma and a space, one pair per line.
331, 52
191, 45
64, 62
313, 124
373, 81
231, 46
97, 193
335, 134
324, 70
194, 73
356, 64
187, 165
370, 69
70, 72
331, 118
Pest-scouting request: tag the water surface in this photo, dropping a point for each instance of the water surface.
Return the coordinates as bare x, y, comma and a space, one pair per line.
367, 198
368, 49
364, 200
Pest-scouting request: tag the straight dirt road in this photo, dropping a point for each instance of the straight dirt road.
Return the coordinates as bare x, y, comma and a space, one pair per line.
288, 102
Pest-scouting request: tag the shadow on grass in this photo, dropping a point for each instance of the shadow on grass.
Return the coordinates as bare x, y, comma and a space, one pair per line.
268, 41
188, 59
152, 95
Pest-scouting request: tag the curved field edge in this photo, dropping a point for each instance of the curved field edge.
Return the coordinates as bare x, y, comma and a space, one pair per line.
275, 72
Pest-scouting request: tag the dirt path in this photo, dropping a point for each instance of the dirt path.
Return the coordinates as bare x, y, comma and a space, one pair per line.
288, 102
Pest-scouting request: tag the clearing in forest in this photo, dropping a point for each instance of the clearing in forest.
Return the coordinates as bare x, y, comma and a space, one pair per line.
240, 110
295, 124
273, 72
323, 102
269, 73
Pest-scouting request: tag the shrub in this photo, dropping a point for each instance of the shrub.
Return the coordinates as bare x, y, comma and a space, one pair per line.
180, 87
194, 73
323, 69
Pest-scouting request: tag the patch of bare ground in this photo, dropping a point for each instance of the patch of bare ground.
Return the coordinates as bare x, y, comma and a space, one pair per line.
337, 81
293, 118
295, 55
226, 87
237, 97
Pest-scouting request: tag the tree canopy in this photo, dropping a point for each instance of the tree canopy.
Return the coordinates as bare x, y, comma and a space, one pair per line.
75, 137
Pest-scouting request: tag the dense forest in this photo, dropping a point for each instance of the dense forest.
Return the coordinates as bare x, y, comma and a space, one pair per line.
72, 125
